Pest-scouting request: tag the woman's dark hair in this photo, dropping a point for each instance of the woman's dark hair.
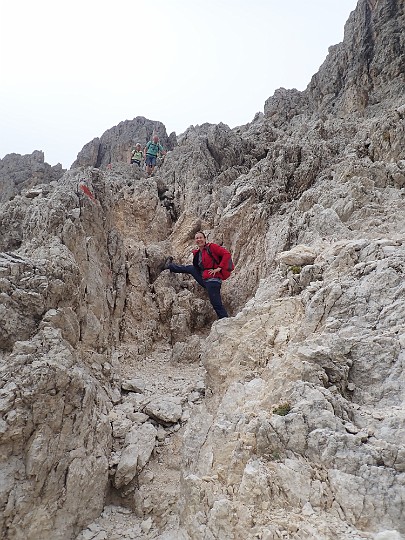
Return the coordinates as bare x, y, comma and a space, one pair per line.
200, 232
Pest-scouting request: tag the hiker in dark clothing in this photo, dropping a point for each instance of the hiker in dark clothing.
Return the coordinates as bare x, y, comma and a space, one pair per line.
211, 264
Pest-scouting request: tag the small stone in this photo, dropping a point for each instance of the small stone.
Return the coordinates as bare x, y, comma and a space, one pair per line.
33, 193
138, 417
146, 525
200, 386
87, 535
185, 416
297, 256
115, 396
194, 396
147, 476
123, 510
102, 535
134, 385
125, 408
167, 409
121, 427
114, 458
307, 509
74, 213
377, 415
350, 428
161, 434
107, 368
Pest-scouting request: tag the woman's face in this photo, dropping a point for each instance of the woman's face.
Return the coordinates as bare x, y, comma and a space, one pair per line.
199, 240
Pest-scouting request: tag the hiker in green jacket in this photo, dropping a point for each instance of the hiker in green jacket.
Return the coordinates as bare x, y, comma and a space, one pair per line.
151, 152
137, 155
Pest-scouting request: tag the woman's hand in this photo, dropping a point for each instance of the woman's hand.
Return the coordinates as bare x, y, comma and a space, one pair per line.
214, 271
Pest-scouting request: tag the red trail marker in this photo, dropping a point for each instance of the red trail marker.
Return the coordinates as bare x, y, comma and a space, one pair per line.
86, 190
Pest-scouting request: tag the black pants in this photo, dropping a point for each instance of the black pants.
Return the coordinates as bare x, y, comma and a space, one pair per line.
213, 287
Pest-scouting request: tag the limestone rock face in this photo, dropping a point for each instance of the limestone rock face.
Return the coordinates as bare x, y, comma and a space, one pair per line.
285, 420
18, 173
295, 408
59, 317
139, 444
354, 76
353, 79
116, 143
49, 401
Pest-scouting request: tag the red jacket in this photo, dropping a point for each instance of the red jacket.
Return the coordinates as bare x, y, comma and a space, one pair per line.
221, 259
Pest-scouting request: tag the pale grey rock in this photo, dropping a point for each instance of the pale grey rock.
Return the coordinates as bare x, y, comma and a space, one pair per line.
138, 417
115, 144
363, 54
45, 335
165, 409
146, 525
138, 447
32, 193
134, 385
194, 396
300, 432
297, 256
187, 352
137, 401
388, 535
19, 173
51, 424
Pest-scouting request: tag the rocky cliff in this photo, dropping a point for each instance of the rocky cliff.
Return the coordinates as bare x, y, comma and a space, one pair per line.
21, 173
115, 144
127, 411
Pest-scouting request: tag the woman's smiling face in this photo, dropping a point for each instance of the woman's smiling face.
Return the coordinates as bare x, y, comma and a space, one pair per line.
199, 239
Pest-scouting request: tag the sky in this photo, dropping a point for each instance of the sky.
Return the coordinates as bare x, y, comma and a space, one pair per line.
71, 70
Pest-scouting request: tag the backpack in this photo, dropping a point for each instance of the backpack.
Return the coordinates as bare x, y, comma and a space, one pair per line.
137, 154
152, 148
226, 272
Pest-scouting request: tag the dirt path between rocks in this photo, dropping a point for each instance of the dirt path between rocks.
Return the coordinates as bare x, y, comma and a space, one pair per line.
151, 509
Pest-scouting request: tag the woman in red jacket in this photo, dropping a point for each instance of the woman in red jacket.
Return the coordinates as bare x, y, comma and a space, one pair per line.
211, 264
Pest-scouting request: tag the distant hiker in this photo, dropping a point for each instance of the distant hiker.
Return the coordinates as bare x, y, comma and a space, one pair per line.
151, 152
211, 265
137, 155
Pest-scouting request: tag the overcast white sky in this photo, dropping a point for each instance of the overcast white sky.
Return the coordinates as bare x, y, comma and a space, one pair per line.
71, 70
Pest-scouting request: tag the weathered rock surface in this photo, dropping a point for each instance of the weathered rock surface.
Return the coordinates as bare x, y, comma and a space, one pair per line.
284, 421
115, 144
138, 447
60, 299
21, 173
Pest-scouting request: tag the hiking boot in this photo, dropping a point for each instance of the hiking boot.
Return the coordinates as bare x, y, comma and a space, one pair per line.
168, 262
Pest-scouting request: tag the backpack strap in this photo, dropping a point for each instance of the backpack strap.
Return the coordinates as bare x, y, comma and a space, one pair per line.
207, 247
155, 147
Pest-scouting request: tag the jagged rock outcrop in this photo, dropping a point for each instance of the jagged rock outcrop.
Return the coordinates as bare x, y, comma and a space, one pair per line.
18, 173
283, 421
61, 299
354, 76
360, 74
115, 144
296, 412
